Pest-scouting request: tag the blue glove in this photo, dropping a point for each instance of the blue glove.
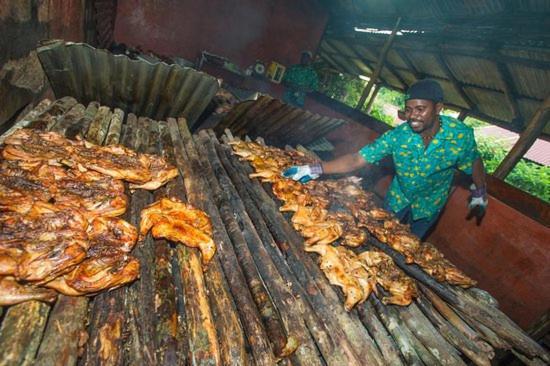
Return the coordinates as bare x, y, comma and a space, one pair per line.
303, 173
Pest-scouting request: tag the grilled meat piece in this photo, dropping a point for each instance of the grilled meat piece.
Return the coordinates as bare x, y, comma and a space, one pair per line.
104, 272
334, 269
112, 232
161, 173
43, 261
179, 222
12, 292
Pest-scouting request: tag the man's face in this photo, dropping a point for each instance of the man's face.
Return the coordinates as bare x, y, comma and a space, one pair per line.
421, 114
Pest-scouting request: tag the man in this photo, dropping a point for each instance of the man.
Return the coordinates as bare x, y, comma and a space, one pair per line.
299, 80
426, 150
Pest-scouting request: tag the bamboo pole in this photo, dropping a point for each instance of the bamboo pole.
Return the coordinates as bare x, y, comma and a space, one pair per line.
187, 160
140, 306
296, 332
379, 65
322, 294
532, 131
231, 338
332, 343
383, 339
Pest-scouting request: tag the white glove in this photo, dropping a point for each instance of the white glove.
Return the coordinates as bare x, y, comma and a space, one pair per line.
303, 173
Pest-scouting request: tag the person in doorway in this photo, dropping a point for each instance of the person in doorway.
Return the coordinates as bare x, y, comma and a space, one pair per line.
426, 150
300, 79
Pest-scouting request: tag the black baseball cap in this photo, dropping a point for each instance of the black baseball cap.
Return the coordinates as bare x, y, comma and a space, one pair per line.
428, 89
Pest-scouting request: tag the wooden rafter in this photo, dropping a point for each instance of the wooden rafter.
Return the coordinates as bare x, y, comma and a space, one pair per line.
532, 131
369, 64
379, 64
457, 84
430, 48
510, 94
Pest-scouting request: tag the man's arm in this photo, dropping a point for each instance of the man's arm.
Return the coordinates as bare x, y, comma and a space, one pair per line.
344, 164
478, 173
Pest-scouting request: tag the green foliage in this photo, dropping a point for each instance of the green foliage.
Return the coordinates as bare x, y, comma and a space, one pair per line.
342, 87
391, 97
474, 122
378, 113
527, 176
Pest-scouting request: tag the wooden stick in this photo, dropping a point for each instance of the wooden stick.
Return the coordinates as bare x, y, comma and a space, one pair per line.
467, 346
220, 185
311, 276
27, 119
383, 339
295, 328
487, 315
401, 334
337, 351
140, 313
63, 334
168, 350
267, 254
115, 127
47, 119
21, 332
233, 343
102, 117
81, 126
244, 302
70, 118
425, 332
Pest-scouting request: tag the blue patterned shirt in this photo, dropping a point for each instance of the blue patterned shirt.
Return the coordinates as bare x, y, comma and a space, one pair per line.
423, 175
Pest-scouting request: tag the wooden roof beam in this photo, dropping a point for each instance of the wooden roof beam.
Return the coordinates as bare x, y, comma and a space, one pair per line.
509, 93
457, 85
427, 47
379, 65
526, 139
368, 63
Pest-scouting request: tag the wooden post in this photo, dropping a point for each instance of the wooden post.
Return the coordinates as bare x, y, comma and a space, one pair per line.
526, 140
462, 115
379, 66
373, 97
506, 78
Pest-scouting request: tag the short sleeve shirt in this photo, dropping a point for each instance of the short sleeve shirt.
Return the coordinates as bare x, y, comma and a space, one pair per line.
423, 175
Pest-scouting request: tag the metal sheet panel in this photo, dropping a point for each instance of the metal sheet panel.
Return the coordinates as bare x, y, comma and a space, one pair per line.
278, 123
155, 90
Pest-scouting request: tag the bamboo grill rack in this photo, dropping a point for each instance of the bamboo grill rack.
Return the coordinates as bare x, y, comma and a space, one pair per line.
259, 298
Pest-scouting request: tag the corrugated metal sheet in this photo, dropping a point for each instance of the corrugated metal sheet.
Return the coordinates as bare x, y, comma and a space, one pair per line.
278, 123
155, 90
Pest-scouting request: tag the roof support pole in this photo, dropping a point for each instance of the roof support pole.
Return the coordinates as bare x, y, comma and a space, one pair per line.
505, 77
373, 97
526, 139
462, 115
379, 65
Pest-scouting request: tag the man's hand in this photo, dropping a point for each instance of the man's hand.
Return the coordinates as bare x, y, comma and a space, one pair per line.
478, 202
303, 173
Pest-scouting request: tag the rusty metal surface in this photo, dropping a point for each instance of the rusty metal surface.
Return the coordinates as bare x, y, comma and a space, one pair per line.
155, 90
277, 122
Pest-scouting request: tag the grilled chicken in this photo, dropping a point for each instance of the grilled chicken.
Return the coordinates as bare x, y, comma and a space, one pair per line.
112, 232
161, 173
104, 272
12, 292
115, 161
334, 269
179, 222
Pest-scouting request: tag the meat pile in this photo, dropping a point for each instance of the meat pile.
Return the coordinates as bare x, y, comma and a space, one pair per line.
59, 202
339, 212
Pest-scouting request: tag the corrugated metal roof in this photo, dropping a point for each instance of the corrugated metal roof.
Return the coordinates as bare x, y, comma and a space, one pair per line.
278, 123
477, 50
155, 90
